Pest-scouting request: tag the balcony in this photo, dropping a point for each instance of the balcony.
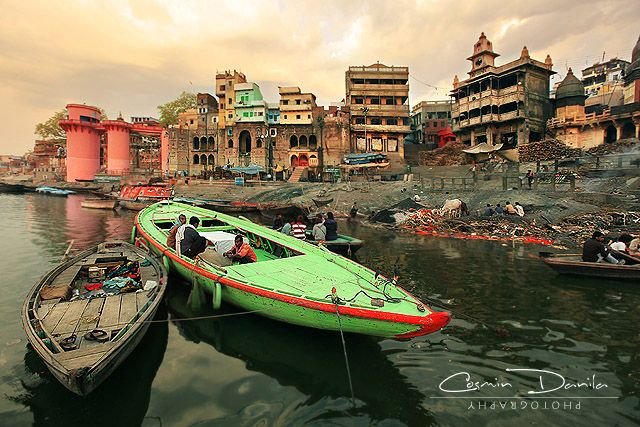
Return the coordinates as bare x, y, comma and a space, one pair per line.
382, 128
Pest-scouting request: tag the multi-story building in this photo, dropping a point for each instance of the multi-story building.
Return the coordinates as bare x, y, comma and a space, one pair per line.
429, 118
249, 104
602, 78
377, 98
273, 113
580, 126
296, 108
225, 83
145, 119
506, 104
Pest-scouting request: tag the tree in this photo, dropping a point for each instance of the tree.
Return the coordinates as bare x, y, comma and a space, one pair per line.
169, 111
50, 129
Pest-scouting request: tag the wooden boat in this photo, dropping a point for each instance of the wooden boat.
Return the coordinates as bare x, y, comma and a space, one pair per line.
6, 187
54, 191
292, 281
82, 335
573, 264
322, 202
99, 203
343, 245
231, 207
268, 211
137, 197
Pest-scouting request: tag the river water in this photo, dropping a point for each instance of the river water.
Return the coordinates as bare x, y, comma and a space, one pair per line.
512, 315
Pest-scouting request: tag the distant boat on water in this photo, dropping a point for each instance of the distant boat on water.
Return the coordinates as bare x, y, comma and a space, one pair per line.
54, 191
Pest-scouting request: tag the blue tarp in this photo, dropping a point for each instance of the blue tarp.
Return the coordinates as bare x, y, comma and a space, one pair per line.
355, 159
249, 170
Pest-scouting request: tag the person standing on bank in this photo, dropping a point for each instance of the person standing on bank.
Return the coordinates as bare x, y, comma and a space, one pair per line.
332, 227
353, 212
530, 178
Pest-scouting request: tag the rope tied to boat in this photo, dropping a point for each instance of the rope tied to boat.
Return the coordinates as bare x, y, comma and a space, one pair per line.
335, 299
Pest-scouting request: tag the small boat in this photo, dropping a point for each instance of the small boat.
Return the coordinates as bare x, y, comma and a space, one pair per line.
268, 212
343, 245
231, 207
6, 187
54, 191
573, 264
137, 197
292, 280
99, 203
85, 316
321, 202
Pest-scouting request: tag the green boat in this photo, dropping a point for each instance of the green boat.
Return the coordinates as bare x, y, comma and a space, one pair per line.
292, 281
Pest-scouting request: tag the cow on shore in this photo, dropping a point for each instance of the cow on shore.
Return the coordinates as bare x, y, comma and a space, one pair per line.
454, 208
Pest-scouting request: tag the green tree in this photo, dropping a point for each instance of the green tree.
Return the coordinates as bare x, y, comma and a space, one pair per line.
169, 111
50, 129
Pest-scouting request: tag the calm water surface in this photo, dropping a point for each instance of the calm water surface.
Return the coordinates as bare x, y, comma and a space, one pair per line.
510, 312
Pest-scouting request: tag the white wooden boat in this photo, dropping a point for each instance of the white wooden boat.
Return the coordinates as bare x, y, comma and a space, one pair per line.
81, 335
99, 203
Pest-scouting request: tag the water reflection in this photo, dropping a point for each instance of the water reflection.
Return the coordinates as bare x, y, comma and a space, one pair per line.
309, 360
122, 399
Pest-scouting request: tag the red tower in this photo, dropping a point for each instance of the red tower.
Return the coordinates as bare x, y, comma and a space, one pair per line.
118, 134
83, 141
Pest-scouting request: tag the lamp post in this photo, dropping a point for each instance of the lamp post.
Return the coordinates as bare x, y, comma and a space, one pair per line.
266, 137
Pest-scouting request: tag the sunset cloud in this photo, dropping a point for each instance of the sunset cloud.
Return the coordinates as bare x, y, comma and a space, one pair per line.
130, 56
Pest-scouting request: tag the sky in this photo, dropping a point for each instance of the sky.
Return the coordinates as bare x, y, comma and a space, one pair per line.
129, 56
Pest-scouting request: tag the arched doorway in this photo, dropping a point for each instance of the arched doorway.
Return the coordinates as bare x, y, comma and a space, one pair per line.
244, 142
211, 143
294, 161
610, 135
293, 141
211, 160
196, 160
303, 160
628, 131
303, 141
203, 160
196, 143
230, 143
313, 142
203, 143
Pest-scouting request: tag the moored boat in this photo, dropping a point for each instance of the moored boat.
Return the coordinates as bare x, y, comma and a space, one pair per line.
54, 191
137, 197
292, 281
99, 203
87, 314
343, 245
574, 265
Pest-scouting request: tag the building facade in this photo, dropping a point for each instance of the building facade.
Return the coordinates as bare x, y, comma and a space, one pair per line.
377, 98
296, 108
428, 119
225, 91
507, 104
602, 78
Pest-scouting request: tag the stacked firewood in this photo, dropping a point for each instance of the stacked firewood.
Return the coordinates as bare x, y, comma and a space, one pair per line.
620, 146
549, 149
449, 155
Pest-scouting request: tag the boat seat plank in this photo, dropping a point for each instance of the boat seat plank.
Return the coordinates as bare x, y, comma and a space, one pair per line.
52, 318
69, 321
128, 309
141, 299
110, 313
67, 276
43, 310
82, 361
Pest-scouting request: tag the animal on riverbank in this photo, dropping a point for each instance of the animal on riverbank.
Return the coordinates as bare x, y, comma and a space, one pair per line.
454, 208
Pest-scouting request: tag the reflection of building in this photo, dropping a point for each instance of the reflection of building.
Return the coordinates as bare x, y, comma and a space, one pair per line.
506, 104
585, 126
377, 98
429, 118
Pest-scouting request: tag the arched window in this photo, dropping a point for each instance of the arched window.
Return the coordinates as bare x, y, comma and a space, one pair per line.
196, 160
203, 143
245, 142
230, 143
211, 160
196, 143
203, 160
212, 143
293, 141
313, 142
258, 143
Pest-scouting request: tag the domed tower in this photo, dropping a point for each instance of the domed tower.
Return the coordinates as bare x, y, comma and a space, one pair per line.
570, 97
632, 77
82, 127
118, 136
483, 56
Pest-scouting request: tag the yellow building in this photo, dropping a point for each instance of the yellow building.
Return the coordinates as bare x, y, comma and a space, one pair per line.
296, 108
225, 91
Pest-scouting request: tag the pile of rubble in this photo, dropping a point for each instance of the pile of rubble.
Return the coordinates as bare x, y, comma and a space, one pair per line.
621, 146
449, 155
549, 149
578, 228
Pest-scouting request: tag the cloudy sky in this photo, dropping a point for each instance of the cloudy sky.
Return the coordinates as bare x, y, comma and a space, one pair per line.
130, 56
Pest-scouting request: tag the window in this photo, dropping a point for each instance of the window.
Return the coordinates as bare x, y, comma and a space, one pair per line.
297, 102
308, 116
359, 120
222, 106
231, 116
221, 88
376, 121
375, 101
285, 116
230, 143
392, 121
285, 102
191, 121
245, 114
260, 113
358, 100
230, 101
298, 116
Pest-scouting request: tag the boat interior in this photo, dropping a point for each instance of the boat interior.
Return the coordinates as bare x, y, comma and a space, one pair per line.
92, 302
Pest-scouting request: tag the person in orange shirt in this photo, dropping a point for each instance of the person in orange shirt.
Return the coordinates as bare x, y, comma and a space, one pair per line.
241, 252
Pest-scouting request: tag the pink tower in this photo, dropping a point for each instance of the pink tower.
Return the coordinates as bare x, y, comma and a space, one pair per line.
118, 158
164, 151
83, 141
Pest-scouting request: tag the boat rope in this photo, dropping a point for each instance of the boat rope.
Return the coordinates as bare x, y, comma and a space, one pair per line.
335, 299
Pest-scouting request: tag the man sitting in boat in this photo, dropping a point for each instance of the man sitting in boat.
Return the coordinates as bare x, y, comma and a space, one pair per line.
299, 228
241, 252
595, 251
319, 232
189, 242
171, 238
332, 227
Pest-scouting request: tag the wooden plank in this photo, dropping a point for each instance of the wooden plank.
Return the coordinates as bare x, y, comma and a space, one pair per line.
110, 313
67, 276
43, 310
82, 361
128, 309
98, 349
69, 322
141, 299
53, 317
91, 315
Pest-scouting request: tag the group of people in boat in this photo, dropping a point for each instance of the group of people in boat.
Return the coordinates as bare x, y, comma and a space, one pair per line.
186, 240
324, 228
595, 249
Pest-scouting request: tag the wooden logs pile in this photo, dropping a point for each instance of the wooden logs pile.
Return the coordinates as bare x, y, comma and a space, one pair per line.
549, 149
620, 146
449, 155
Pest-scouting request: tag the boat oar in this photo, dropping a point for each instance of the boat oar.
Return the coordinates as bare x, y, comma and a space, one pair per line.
66, 253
